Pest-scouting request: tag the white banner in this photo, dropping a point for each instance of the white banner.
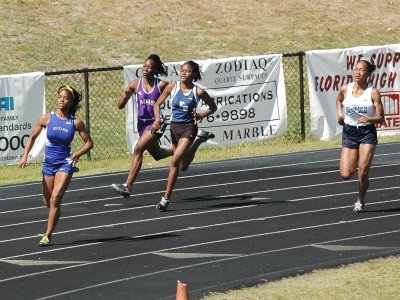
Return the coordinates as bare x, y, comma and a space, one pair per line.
22, 102
249, 92
328, 70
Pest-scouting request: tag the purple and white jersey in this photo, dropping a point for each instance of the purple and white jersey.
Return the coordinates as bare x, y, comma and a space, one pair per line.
145, 101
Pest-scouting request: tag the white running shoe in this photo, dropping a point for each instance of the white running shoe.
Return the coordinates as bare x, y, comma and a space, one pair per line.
358, 207
205, 135
163, 204
121, 189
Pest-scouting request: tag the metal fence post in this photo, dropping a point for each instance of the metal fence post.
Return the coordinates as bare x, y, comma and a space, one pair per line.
86, 76
301, 79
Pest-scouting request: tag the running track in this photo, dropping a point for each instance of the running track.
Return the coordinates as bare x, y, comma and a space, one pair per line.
231, 224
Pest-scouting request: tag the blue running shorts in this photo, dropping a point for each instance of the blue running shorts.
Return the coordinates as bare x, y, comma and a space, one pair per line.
51, 167
353, 136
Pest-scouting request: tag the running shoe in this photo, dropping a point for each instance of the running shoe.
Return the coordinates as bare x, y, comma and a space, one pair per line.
358, 207
45, 241
121, 189
163, 204
205, 135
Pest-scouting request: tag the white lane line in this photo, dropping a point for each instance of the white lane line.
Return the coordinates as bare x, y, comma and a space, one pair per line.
192, 166
219, 242
187, 255
133, 222
214, 185
38, 262
211, 174
216, 198
176, 269
340, 248
189, 228
181, 177
202, 164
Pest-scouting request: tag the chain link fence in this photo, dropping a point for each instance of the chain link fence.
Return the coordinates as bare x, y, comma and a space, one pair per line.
102, 87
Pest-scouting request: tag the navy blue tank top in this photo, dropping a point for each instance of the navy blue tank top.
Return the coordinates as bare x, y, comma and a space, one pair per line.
182, 104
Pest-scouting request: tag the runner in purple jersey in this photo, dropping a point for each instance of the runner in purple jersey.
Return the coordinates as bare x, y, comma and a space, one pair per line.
59, 163
147, 90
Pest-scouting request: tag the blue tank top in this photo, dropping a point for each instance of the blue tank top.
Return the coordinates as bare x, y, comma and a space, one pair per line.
145, 101
182, 104
60, 134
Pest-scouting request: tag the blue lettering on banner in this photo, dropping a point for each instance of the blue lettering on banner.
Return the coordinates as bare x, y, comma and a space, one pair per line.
7, 103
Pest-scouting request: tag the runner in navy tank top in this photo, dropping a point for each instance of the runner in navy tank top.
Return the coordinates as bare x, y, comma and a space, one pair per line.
147, 89
359, 108
59, 163
185, 136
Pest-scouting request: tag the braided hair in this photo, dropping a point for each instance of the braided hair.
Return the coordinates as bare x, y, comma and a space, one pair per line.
161, 69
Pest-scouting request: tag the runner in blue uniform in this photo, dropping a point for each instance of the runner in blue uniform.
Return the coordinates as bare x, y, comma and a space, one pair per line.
185, 136
147, 90
59, 163
359, 108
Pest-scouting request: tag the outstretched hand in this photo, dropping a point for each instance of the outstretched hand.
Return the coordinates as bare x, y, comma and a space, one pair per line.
22, 163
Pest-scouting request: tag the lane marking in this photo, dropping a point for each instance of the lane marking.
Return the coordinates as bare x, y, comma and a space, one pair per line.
210, 226
38, 262
352, 248
193, 255
187, 266
216, 198
197, 213
193, 165
213, 174
216, 185
135, 221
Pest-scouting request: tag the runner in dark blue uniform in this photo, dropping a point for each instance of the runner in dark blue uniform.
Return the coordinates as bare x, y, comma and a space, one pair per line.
184, 132
59, 163
359, 108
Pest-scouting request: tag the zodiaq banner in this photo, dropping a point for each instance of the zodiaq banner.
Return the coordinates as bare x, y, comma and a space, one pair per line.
249, 92
22, 102
328, 70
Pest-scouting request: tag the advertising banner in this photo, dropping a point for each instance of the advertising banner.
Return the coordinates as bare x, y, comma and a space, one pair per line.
249, 92
328, 70
22, 102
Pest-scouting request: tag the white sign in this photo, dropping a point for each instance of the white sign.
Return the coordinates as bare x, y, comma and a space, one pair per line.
328, 70
22, 102
249, 92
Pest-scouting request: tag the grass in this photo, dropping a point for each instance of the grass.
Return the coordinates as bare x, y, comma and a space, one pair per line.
374, 279
46, 35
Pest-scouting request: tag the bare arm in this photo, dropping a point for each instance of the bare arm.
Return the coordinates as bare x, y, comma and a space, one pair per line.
339, 104
167, 91
88, 142
379, 113
212, 107
127, 94
42, 123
